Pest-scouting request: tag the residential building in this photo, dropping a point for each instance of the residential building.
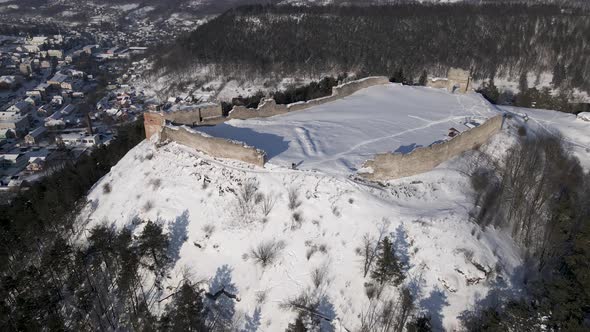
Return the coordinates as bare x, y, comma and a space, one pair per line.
36, 135
79, 139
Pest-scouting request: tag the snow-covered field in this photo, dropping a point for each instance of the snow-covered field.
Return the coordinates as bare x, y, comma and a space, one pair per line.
452, 264
575, 131
339, 136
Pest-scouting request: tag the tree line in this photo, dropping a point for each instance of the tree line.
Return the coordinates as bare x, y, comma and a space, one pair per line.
48, 281
493, 40
538, 193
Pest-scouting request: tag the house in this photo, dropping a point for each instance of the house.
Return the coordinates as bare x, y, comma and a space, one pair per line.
10, 82
78, 139
90, 49
55, 53
21, 107
45, 110
57, 100
32, 100
36, 164
25, 68
35, 136
68, 109
13, 159
61, 80
7, 133
37, 40
16, 122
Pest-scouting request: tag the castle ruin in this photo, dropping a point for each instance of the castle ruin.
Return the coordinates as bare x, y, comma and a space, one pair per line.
457, 81
176, 126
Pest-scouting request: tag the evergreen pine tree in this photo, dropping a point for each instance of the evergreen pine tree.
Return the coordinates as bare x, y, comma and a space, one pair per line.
398, 76
185, 312
523, 83
387, 268
297, 325
559, 75
490, 91
153, 243
423, 78
419, 324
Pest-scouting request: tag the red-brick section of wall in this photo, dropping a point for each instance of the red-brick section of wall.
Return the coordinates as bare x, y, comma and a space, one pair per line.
153, 123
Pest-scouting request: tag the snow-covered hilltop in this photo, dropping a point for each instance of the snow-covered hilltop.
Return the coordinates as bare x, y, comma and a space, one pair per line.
218, 213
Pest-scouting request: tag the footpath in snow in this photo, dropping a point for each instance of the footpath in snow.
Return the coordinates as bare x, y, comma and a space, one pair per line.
339, 136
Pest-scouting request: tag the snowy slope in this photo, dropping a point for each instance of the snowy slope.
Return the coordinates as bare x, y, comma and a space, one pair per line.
575, 131
426, 215
338, 137
452, 263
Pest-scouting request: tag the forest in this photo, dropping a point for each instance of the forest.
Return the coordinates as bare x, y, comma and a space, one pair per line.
493, 40
538, 193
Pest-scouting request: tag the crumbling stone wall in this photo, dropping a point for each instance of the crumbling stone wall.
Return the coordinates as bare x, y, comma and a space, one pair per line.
390, 166
340, 91
267, 108
194, 115
457, 80
214, 146
270, 108
153, 123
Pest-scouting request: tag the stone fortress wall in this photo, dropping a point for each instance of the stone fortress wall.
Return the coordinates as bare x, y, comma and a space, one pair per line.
210, 114
214, 146
269, 107
389, 166
194, 115
385, 166
457, 80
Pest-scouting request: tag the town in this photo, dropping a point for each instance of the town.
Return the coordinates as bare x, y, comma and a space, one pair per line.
60, 97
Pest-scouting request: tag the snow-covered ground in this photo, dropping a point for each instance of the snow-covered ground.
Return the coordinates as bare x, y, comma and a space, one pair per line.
338, 137
575, 131
452, 263
426, 216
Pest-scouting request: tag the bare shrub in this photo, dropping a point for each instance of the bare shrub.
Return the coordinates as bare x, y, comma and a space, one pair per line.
372, 290
260, 297
258, 197
294, 201
268, 203
247, 198
106, 188
265, 253
297, 220
387, 314
208, 229
310, 251
369, 252
248, 191
148, 206
156, 183
319, 275
335, 211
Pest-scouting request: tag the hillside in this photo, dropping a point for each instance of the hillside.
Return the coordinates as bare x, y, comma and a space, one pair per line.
451, 263
192, 196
